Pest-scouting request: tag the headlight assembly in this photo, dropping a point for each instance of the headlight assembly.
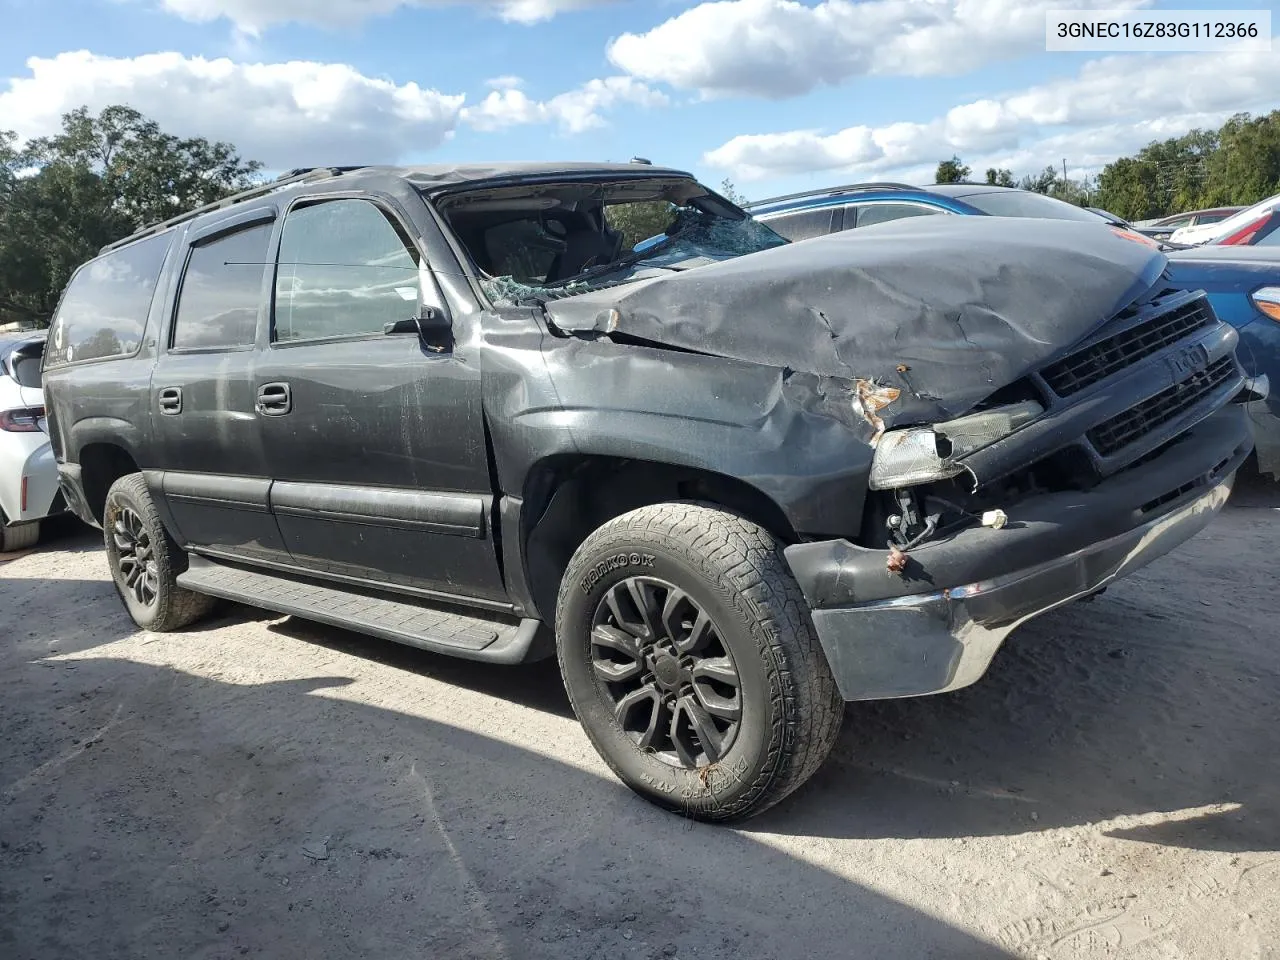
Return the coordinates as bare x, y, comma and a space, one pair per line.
914, 455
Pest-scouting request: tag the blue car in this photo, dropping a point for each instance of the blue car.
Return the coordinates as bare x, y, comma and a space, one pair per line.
800, 216
1243, 284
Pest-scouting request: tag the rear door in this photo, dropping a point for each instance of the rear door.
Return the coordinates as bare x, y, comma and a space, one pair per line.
374, 439
215, 479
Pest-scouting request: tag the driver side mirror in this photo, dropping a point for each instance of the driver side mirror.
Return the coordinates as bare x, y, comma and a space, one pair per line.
429, 320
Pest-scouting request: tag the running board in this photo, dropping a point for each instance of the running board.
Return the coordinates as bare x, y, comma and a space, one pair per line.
399, 619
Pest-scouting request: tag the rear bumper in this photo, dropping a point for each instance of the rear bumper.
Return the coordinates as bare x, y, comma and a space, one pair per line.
72, 485
936, 626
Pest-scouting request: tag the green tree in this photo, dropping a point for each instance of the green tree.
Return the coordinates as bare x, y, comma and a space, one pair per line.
999, 178
1042, 182
1128, 188
951, 171
62, 198
1245, 167
153, 175
639, 220
730, 192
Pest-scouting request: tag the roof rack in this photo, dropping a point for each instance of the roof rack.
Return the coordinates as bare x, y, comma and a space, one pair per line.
299, 175
834, 191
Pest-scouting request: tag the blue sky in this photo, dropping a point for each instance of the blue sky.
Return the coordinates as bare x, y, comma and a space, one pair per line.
775, 94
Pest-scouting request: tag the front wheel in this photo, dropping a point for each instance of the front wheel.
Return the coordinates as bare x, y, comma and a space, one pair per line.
690, 659
145, 561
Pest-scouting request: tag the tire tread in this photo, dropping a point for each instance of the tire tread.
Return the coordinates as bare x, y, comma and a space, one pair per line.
748, 564
176, 607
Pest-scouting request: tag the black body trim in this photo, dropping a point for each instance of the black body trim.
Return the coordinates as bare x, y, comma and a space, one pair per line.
365, 583
455, 514
235, 493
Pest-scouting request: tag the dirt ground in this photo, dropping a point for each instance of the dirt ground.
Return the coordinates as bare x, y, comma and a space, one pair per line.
266, 787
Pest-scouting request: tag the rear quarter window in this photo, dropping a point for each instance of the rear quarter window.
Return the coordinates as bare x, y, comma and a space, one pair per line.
104, 309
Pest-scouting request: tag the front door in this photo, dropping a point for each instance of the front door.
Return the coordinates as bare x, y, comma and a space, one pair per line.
215, 481
374, 439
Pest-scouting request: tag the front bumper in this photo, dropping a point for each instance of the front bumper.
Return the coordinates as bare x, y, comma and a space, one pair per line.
936, 626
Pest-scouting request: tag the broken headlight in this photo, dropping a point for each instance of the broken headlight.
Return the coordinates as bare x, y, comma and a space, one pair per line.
915, 455
910, 456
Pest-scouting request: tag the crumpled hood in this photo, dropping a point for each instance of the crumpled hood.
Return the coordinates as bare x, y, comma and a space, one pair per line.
947, 309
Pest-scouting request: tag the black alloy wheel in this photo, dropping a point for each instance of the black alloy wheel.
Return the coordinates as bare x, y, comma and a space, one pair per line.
671, 680
144, 560
136, 557
689, 656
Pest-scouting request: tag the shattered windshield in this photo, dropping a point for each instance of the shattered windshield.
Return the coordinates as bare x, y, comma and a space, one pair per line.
541, 242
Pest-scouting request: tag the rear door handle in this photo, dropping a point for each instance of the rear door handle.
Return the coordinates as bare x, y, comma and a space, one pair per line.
274, 399
171, 401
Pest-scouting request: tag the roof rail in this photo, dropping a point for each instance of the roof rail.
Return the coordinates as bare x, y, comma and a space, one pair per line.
834, 191
293, 176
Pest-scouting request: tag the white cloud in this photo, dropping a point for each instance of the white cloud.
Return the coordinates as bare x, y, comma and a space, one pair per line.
1111, 107
507, 107
505, 82
284, 114
575, 111
782, 48
254, 16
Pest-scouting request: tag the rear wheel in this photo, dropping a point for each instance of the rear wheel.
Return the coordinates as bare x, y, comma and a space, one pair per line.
145, 561
690, 659
21, 537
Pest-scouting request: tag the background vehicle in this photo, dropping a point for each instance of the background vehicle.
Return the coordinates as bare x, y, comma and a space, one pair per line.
1243, 284
1162, 229
1111, 218
1250, 226
800, 216
28, 475
745, 479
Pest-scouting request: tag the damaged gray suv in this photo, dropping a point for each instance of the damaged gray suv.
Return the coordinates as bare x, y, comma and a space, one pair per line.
597, 412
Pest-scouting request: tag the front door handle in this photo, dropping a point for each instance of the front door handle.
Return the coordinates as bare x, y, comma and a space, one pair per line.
171, 401
274, 399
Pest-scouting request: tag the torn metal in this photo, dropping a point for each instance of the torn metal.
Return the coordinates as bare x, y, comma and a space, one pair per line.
869, 399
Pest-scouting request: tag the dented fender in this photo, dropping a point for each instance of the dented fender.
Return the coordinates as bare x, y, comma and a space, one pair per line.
797, 438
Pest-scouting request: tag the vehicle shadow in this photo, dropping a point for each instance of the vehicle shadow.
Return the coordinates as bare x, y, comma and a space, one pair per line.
1147, 713
151, 813
68, 534
535, 685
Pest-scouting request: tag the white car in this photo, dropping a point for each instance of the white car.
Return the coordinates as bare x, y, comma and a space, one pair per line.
1209, 232
28, 474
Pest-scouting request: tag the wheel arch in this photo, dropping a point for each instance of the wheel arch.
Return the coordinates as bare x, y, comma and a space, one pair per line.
102, 463
566, 497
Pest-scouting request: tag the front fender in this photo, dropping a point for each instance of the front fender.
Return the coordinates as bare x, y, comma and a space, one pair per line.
796, 438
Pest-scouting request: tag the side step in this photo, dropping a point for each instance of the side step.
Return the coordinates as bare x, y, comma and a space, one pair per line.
404, 621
